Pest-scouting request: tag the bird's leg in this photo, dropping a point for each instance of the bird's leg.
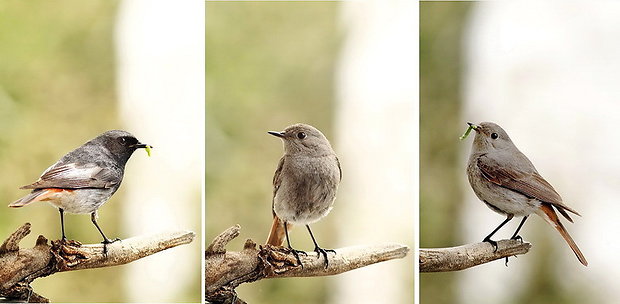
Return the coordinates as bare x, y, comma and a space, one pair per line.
62, 225
295, 251
320, 250
488, 237
106, 240
516, 236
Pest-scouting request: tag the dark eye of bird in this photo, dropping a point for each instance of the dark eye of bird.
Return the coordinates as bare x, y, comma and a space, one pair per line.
301, 135
123, 140
494, 135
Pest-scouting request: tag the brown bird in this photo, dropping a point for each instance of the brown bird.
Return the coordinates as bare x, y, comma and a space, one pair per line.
304, 184
508, 183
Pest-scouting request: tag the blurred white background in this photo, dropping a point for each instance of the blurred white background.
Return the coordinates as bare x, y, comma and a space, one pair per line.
161, 77
548, 72
376, 130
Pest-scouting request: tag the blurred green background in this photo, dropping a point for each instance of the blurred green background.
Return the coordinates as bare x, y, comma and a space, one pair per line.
269, 65
57, 90
442, 27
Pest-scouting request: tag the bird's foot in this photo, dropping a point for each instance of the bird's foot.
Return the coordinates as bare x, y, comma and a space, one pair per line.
517, 237
320, 251
296, 254
492, 242
105, 243
108, 241
506, 262
514, 237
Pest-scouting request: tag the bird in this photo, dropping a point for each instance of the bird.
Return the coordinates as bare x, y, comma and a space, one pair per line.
85, 178
508, 183
304, 185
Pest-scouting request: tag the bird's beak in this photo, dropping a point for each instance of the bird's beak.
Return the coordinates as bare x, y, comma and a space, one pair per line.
145, 147
473, 126
276, 134
142, 146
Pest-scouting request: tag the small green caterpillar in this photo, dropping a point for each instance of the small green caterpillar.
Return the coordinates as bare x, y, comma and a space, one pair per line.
148, 150
471, 127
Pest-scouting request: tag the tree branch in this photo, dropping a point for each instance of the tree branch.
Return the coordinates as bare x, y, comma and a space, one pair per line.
470, 255
224, 271
19, 267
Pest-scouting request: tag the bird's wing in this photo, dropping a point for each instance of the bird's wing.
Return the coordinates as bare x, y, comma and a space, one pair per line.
76, 176
527, 182
277, 180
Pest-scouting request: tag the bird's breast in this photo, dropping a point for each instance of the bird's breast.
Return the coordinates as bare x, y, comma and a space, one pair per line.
307, 190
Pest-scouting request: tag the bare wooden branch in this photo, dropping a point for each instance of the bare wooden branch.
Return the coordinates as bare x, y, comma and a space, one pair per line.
219, 243
225, 270
122, 252
19, 267
470, 255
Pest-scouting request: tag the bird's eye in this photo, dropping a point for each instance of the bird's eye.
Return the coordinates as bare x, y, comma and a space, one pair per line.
494, 135
124, 141
301, 135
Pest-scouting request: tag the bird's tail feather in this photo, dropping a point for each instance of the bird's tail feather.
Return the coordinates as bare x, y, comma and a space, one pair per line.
551, 217
277, 233
37, 195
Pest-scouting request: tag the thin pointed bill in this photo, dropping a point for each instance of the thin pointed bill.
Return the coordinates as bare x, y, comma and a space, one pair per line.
276, 134
146, 148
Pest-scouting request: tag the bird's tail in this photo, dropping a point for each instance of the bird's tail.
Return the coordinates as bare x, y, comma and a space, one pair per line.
547, 212
277, 233
36, 195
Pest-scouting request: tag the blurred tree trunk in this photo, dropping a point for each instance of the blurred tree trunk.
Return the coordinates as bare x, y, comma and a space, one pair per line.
161, 82
376, 142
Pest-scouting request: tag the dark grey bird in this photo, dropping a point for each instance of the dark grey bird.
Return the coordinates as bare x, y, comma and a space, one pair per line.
85, 178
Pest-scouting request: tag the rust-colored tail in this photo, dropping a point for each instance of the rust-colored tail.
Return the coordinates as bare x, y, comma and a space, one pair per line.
38, 195
277, 233
551, 217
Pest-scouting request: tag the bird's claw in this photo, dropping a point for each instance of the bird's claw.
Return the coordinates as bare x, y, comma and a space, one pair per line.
492, 242
320, 251
296, 254
105, 243
517, 237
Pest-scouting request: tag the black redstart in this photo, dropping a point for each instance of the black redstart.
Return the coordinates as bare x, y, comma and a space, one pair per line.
85, 178
508, 183
304, 184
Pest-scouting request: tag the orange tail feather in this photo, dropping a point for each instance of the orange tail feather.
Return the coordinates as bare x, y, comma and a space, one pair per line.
277, 233
552, 218
34, 196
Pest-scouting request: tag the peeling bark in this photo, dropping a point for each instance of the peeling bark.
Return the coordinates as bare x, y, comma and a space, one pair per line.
225, 270
20, 267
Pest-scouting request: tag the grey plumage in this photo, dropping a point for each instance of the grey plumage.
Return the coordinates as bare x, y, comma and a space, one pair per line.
305, 182
508, 183
85, 178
